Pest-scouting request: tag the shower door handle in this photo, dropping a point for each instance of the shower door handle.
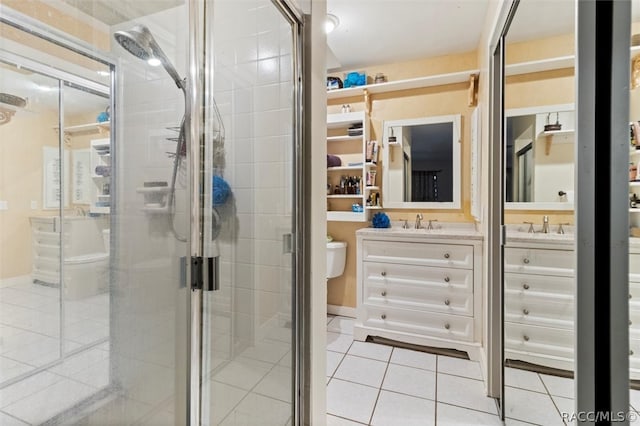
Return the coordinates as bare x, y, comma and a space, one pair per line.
288, 244
205, 273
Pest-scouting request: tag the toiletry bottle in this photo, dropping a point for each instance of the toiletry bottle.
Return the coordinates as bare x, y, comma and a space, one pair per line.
633, 172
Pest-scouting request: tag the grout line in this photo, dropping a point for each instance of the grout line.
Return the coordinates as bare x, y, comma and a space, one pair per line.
375, 404
471, 409
14, 417
435, 394
345, 418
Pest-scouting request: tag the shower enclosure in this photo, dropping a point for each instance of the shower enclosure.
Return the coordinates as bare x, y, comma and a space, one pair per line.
165, 142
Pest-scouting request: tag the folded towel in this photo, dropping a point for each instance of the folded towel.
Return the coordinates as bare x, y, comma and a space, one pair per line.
333, 161
221, 191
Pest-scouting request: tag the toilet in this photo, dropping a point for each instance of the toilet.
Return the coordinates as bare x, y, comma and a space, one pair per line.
336, 258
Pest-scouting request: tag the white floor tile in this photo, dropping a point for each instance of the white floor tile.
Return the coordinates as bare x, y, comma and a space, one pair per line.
523, 379
342, 325
333, 360
243, 373
276, 384
566, 407
220, 399
464, 392
258, 410
459, 367
394, 409
449, 415
26, 387
350, 400
370, 350
361, 370
6, 420
10, 369
559, 386
339, 421
329, 318
159, 418
634, 399
50, 401
531, 407
415, 359
410, 381
267, 351
337, 342
80, 361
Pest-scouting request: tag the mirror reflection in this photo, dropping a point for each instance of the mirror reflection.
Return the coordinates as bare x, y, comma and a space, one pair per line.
539, 158
422, 162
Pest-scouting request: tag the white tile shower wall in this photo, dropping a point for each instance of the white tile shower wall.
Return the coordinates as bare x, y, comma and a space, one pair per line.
145, 290
253, 87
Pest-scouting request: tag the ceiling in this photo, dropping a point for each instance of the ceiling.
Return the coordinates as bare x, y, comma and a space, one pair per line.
385, 31
373, 32
113, 12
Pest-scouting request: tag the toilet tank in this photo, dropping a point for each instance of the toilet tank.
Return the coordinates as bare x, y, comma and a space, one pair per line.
336, 258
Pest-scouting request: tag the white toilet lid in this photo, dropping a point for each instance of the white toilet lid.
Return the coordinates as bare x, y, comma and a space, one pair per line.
336, 244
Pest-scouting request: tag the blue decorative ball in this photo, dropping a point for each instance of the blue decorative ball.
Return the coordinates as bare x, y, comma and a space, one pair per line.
381, 220
221, 191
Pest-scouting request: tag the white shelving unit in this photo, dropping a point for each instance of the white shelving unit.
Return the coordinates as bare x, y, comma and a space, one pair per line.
101, 195
556, 136
411, 83
351, 150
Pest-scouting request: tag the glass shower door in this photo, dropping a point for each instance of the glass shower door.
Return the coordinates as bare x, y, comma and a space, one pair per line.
248, 336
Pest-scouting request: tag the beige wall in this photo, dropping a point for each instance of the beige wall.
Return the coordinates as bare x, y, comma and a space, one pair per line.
432, 101
20, 183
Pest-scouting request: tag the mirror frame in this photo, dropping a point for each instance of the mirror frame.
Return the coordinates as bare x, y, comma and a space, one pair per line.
456, 119
533, 205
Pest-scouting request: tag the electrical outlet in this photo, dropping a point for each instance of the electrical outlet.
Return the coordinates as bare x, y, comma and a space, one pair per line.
34, 205
4, 205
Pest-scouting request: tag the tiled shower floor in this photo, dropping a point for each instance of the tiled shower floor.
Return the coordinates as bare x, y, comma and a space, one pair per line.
375, 384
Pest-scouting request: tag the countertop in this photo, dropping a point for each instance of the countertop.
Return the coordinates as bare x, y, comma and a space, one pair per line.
441, 231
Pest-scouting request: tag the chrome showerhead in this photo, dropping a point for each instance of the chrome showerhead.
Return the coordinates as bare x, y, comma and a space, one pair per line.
140, 43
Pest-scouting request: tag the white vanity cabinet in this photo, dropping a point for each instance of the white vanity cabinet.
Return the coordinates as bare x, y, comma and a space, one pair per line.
539, 307
539, 303
420, 288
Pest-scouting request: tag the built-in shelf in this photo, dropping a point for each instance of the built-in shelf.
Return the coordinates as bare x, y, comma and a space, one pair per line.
373, 207
549, 64
154, 209
556, 136
372, 188
87, 128
634, 210
408, 84
634, 152
370, 165
636, 183
355, 196
99, 209
344, 216
338, 168
344, 138
152, 189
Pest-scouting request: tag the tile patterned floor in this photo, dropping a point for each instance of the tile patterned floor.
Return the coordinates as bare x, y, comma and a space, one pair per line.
374, 384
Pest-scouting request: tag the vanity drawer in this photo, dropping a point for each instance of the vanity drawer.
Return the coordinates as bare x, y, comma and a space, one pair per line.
429, 277
442, 255
544, 311
540, 285
418, 322
539, 261
547, 341
448, 301
634, 267
634, 353
46, 250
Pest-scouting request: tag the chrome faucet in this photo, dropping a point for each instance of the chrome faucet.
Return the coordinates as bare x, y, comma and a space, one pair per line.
80, 211
418, 221
430, 224
560, 228
405, 225
531, 230
545, 224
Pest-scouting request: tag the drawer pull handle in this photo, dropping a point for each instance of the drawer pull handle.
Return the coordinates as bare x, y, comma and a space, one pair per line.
630, 322
630, 296
383, 316
526, 338
447, 325
384, 293
383, 273
525, 286
525, 311
525, 260
447, 255
447, 279
447, 302
630, 353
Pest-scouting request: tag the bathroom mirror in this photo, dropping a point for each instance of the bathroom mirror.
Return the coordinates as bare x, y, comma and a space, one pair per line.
421, 163
540, 157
